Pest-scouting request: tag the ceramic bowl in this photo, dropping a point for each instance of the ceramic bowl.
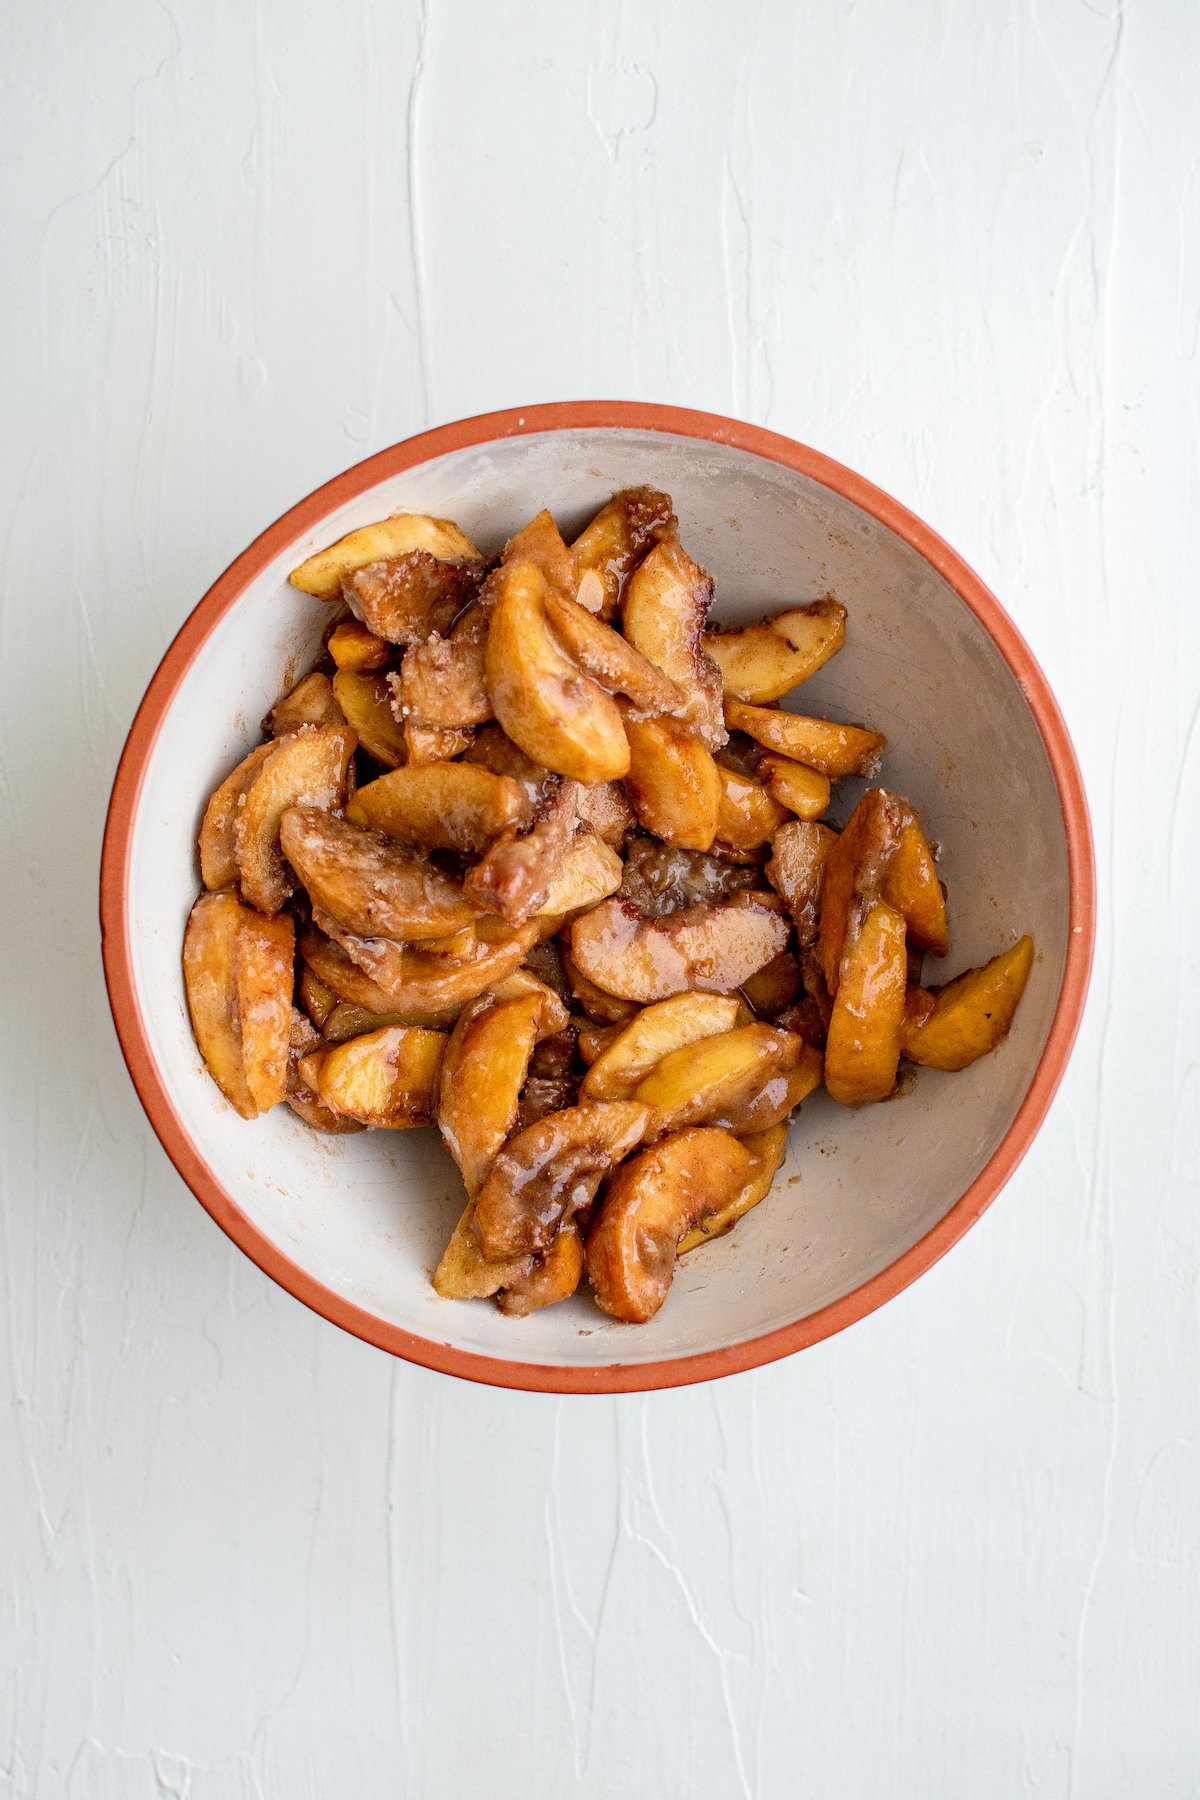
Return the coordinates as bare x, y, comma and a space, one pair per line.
865, 1200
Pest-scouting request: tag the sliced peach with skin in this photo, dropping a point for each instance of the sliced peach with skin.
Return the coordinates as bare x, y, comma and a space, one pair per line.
515, 875
713, 949
673, 783
767, 1149
494, 749
650, 1205
317, 1000
802, 791
321, 574
558, 716
405, 599
425, 745
483, 1073
913, 888
712, 1077
386, 1078
541, 543
748, 813
549, 1171
521, 1283
599, 1006
445, 806
352, 986
550, 1277
656, 1031
366, 701
606, 656
856, 870
952, 1026
209, 949
442, 682
593, 1042
264, 956
796, 871
759, 663
800, 1069
663, 614
862, 1049
833, 750
311, 765
311, 702
415, 983
218, 860
608, 812
300, 1097
610, 546
372, 885
590, 872
353, 646
775, 986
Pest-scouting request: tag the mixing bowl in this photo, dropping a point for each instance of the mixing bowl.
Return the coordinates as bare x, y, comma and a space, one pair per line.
865, 1200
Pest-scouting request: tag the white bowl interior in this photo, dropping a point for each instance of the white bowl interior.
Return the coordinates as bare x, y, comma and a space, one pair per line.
368, 1215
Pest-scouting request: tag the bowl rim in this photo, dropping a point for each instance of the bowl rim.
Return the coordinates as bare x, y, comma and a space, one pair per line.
615, 1377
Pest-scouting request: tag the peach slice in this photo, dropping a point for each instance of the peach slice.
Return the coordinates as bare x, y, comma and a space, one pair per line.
549, 1171
312, 766
761, 662
950, 1027
650, 1205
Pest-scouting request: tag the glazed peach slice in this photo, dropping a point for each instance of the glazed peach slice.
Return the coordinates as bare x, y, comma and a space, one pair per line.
759, 663
237, 971
798, 1071
608, 549
802, 791
638, 1047
483, 1073
590, 872
673, 782
311, 702
714, 1077
329, 964
386, 1078
542, 543
366, 701
445, 806
608, 812
767, 1149
833, 750
300, 1097
775, 986
855, 870
609, 659
372, 886
796, 871
748, 812
218, 860
549, 1171
557, 715
862, 1049
951, 1027
400, 535
594, 1002
913, 888
521, 1284
413, 982
352, 646
710, 948
519, 868
650, 1205
663, 615
310, 765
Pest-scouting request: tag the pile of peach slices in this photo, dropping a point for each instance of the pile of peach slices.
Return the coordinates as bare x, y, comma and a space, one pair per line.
535, 857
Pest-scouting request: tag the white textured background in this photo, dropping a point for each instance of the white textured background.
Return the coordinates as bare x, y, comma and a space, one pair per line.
953, 1552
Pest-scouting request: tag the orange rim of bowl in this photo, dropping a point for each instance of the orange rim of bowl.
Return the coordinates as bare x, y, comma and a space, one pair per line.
609, 1378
